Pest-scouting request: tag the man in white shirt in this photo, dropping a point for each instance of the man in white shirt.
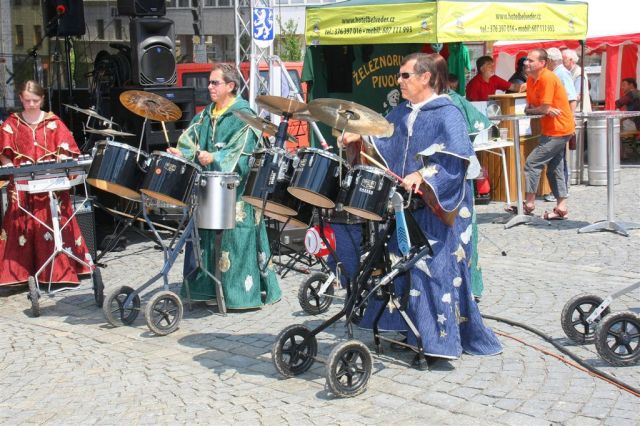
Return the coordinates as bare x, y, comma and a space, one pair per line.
570, 62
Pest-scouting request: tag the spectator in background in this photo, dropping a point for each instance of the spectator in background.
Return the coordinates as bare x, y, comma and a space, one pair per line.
547, 96
454, 82
486, 83
520, 76
630, 99
570, 62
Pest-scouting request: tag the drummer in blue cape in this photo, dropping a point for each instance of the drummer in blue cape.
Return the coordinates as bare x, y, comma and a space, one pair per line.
220, 142
431, 151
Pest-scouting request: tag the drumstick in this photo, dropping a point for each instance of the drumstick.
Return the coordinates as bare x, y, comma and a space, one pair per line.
386, 169
166, 135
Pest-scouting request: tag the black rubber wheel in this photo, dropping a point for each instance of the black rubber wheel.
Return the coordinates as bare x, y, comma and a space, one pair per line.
113, 308
34, 297
291, 354
349, 368
310, 300
98, 287
618, 338
163, 313
574, 317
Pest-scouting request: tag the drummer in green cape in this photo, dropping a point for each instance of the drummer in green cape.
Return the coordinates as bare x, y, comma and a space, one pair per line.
219, 141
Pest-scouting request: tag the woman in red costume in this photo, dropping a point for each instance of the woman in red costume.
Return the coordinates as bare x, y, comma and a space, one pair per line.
30, 137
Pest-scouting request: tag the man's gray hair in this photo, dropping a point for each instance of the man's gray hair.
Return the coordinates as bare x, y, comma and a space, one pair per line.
571, 54
554, 54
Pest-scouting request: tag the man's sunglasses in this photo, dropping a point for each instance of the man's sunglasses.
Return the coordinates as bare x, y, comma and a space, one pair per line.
406, 75
216, 83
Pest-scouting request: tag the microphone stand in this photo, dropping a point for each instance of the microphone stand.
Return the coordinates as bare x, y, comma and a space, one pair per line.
33, 53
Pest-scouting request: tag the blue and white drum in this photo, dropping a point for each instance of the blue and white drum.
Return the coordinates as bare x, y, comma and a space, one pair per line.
368, 192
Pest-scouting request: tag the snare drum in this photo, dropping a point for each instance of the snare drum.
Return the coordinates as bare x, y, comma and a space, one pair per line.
368, 192
316, 179
170, 178
217, 200
262, 176
118, 168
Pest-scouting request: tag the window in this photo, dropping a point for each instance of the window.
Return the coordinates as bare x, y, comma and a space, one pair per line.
209, 3
184, 3
100, 29
19, 36
117, 28
37, 31
17, 2
224, 3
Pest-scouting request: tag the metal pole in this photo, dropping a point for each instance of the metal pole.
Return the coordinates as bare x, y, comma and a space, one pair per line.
610, 171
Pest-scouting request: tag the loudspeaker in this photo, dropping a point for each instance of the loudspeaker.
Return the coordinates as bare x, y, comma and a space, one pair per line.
142, 7
86, 222
153, 51
63, 18
153, 138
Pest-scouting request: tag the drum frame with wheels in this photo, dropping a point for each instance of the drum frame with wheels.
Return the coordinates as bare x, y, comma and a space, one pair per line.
56, 229
601, 326
128, 299
300, 344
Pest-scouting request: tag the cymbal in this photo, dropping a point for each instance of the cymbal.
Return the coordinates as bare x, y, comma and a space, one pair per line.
279, 105
261, 124
150, 105
90, 112
304, 116
108, 132
350, 116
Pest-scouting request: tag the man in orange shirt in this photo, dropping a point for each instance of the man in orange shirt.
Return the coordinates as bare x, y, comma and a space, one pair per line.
546, 95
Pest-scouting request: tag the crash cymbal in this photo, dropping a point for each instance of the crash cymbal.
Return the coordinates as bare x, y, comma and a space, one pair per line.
279, 105
108, 132
350, 116
90, 112
261, 124
150, 105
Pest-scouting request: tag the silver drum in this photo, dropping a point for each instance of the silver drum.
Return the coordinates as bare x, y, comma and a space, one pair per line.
217, 200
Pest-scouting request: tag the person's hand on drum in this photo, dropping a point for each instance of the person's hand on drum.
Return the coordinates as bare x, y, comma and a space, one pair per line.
174, 151
348, 138
205, 158
412, 181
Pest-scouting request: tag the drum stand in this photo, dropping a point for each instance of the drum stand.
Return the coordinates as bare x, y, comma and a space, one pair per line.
50, 186
125, 221
164, 310
295, 349
189, 234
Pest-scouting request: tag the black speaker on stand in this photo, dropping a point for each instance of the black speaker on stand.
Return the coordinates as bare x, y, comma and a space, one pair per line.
142, 7
153, 51
63, 18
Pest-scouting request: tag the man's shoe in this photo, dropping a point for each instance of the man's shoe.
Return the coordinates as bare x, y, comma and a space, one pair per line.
549, 198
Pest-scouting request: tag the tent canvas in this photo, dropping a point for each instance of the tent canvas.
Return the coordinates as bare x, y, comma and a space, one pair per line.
610, 32
357, 45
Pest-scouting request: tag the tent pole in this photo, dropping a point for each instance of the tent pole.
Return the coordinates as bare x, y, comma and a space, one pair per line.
582, 42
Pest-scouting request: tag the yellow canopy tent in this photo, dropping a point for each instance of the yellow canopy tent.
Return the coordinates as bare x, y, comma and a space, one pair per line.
444, 21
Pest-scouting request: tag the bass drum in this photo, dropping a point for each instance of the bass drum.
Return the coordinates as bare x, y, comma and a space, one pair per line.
118, 168
170, 178
217, 200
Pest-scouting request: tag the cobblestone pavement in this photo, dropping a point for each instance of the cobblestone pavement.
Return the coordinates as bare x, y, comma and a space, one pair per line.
68, 366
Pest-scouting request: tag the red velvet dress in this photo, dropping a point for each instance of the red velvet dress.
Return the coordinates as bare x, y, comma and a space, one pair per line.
26, 244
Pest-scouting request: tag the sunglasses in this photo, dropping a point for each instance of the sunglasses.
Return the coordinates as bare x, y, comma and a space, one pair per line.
406, 75
216, 83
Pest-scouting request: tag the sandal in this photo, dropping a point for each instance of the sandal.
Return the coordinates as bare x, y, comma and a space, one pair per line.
525, 209
556, 214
